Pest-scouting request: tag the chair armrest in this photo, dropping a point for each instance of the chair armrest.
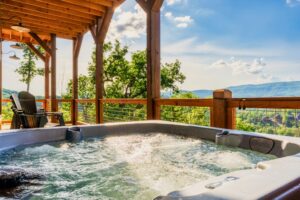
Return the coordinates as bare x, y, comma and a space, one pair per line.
35, 114
41, 111
15, 110
53, 113
59, 117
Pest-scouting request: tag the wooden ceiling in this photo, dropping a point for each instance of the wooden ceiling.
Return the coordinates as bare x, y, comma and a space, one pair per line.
65, 18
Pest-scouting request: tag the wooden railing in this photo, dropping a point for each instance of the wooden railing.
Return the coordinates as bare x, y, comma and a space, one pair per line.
222, 107
274, 102
185, 102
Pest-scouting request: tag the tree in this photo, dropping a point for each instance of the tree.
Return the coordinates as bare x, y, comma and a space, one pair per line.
128, 78
124, 78
186, 114
85, 91
28, 69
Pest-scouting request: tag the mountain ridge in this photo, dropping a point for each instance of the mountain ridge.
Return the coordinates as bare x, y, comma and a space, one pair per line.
275, 89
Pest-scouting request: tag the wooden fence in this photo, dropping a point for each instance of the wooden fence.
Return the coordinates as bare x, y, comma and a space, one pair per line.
222, 106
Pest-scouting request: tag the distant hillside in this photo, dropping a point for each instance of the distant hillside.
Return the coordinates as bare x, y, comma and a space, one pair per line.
6, 93
277, 89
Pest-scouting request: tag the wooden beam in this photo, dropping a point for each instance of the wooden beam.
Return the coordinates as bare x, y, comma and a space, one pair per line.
36, 51
101, 30
41, 42
125, 101
105, 25
117, 3
53, 74
47, 72
40, 5
43, 18
15, 38
77, 45
93, 32
41, 24
87, 4
107, 3
143, 5
270, 103
46, 31
156, 5
185, 102
73, 7
76, 49
43, 13
150, 5
13, 4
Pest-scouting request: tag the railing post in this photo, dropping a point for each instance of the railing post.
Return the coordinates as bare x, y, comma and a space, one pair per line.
54, 104
157, 109
76, 49
221, 115
74, 111
101, 111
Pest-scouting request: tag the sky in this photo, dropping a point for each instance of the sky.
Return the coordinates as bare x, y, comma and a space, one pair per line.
220, 43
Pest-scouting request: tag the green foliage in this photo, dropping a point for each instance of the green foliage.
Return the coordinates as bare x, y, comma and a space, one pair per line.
171, 75
28, 69
123, 78
85, 91
186, 114
7, 113
280, 122
241, 125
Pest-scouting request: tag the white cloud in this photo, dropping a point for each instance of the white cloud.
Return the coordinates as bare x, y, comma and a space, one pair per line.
181, 22
185, 19
172, 2
238, 66
169, 15
192, 46
292, 3
128, 24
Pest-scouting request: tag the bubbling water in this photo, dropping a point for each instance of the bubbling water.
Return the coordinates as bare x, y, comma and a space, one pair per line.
127, 167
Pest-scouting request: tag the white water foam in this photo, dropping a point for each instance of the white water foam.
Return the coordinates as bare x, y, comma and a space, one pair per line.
128, 167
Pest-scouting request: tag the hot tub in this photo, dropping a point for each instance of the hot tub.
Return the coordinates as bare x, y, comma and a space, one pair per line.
144, 160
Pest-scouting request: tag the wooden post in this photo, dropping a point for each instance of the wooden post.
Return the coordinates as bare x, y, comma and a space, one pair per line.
99, 82
99, 32
221, 115
46, 59
47, 89
54, 105
76, 49
152, 8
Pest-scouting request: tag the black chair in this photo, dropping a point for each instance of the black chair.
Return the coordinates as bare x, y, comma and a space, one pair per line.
26, 114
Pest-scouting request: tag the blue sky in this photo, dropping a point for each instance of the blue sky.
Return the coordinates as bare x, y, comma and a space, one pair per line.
219, 42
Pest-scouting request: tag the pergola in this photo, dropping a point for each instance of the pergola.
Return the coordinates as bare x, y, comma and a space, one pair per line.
71, 19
